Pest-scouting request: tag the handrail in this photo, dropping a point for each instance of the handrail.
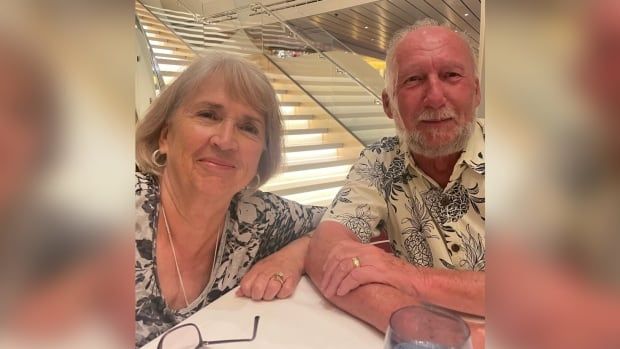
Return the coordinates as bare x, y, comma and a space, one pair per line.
253, 6
172, 31
327, 111
360, 83
154, 65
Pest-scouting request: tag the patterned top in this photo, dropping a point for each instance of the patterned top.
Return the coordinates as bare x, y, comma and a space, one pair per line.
256, 226
426, 225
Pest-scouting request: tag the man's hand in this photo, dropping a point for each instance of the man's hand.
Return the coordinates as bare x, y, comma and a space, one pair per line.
341, 275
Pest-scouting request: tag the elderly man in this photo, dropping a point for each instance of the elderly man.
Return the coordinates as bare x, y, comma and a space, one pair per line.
425, 187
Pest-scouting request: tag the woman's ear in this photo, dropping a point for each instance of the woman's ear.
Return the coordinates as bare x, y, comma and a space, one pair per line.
163, 140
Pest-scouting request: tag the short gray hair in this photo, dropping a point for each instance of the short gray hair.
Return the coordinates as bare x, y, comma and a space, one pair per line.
391, 69
242, 80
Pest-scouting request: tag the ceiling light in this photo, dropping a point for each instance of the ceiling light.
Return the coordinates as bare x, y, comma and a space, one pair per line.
467, 14
365, 27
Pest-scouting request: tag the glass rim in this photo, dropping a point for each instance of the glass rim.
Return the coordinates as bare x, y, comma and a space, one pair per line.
436, 310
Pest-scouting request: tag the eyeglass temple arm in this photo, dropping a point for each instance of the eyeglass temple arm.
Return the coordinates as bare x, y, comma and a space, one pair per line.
256, 318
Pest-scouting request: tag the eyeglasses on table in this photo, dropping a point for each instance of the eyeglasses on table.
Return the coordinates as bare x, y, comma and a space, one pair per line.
189, 336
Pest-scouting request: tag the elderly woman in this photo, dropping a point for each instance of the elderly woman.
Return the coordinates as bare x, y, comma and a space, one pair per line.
203, 148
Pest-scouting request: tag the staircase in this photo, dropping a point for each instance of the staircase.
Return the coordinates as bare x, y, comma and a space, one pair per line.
316, 99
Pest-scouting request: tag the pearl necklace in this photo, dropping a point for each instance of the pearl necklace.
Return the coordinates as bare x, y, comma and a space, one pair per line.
174, 254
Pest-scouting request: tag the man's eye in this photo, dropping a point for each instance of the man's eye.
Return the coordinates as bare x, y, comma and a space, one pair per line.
414, 78
452, 75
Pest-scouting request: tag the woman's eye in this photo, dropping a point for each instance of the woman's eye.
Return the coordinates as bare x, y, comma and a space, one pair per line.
208, 115
249, 128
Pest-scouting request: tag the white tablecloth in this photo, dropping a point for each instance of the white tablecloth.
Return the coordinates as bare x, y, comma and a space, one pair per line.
305, 320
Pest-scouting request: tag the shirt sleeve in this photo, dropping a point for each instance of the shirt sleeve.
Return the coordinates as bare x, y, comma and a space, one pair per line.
360, 204
287, 221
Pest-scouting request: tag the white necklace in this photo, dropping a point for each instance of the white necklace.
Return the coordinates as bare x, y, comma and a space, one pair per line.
174, 254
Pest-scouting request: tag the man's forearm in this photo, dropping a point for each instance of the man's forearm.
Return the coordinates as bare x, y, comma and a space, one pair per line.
459, 290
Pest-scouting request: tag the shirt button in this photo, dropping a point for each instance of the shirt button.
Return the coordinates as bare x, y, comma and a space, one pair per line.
455, 248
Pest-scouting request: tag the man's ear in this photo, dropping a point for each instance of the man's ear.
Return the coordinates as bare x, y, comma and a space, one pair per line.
386, 104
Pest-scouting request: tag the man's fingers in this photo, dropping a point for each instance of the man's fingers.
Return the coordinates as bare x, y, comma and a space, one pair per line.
343, 269
348, 284
332, 265
362, 276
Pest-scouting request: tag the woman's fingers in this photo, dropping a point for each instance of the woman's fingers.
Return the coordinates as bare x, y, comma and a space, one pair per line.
246, 284
289, 285
258, 287
273, 287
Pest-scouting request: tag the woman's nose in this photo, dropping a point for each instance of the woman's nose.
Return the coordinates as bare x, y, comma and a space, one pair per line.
224, 136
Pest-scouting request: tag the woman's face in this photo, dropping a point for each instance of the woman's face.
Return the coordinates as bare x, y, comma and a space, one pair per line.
213, 143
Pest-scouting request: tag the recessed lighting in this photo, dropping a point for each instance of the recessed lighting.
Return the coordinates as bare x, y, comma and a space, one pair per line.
365, 27
467, 14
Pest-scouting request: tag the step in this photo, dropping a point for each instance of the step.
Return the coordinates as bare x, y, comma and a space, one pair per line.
324, 162
297, 189
177, 57
323, 197
182, 62
184, 49
292, 132
301, 148
299, 117
290, 104
354, 109
362, 115
383, 126
348, 104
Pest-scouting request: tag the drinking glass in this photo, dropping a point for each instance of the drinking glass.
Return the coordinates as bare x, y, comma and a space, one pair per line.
426, 327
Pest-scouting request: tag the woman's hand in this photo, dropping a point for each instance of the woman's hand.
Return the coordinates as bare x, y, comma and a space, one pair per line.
276, 275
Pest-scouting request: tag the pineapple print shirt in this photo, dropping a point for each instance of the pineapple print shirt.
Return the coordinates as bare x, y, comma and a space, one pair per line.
427, 225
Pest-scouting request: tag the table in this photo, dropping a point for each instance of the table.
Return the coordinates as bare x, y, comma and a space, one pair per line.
306, 320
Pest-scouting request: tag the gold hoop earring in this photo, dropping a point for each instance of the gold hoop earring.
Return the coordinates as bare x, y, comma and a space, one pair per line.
158, 155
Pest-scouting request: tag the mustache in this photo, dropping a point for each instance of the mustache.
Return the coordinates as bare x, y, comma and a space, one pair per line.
437, 114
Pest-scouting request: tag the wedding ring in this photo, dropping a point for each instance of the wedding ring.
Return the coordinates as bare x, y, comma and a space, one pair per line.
279, 277
356, 262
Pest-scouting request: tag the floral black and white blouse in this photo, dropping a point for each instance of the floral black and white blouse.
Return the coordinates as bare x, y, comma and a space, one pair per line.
256, 226
427, 225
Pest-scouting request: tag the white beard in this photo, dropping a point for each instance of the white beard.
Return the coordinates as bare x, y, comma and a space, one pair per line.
417, 145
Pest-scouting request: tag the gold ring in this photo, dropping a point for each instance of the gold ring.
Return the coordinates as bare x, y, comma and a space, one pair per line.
279, 277
356, 262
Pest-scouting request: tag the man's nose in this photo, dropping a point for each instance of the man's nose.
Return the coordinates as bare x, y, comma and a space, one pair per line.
435, 95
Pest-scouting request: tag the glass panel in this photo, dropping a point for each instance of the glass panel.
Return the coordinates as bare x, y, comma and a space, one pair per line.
343, 84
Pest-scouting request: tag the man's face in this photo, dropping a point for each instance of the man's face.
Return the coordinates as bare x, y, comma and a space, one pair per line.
436, 91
